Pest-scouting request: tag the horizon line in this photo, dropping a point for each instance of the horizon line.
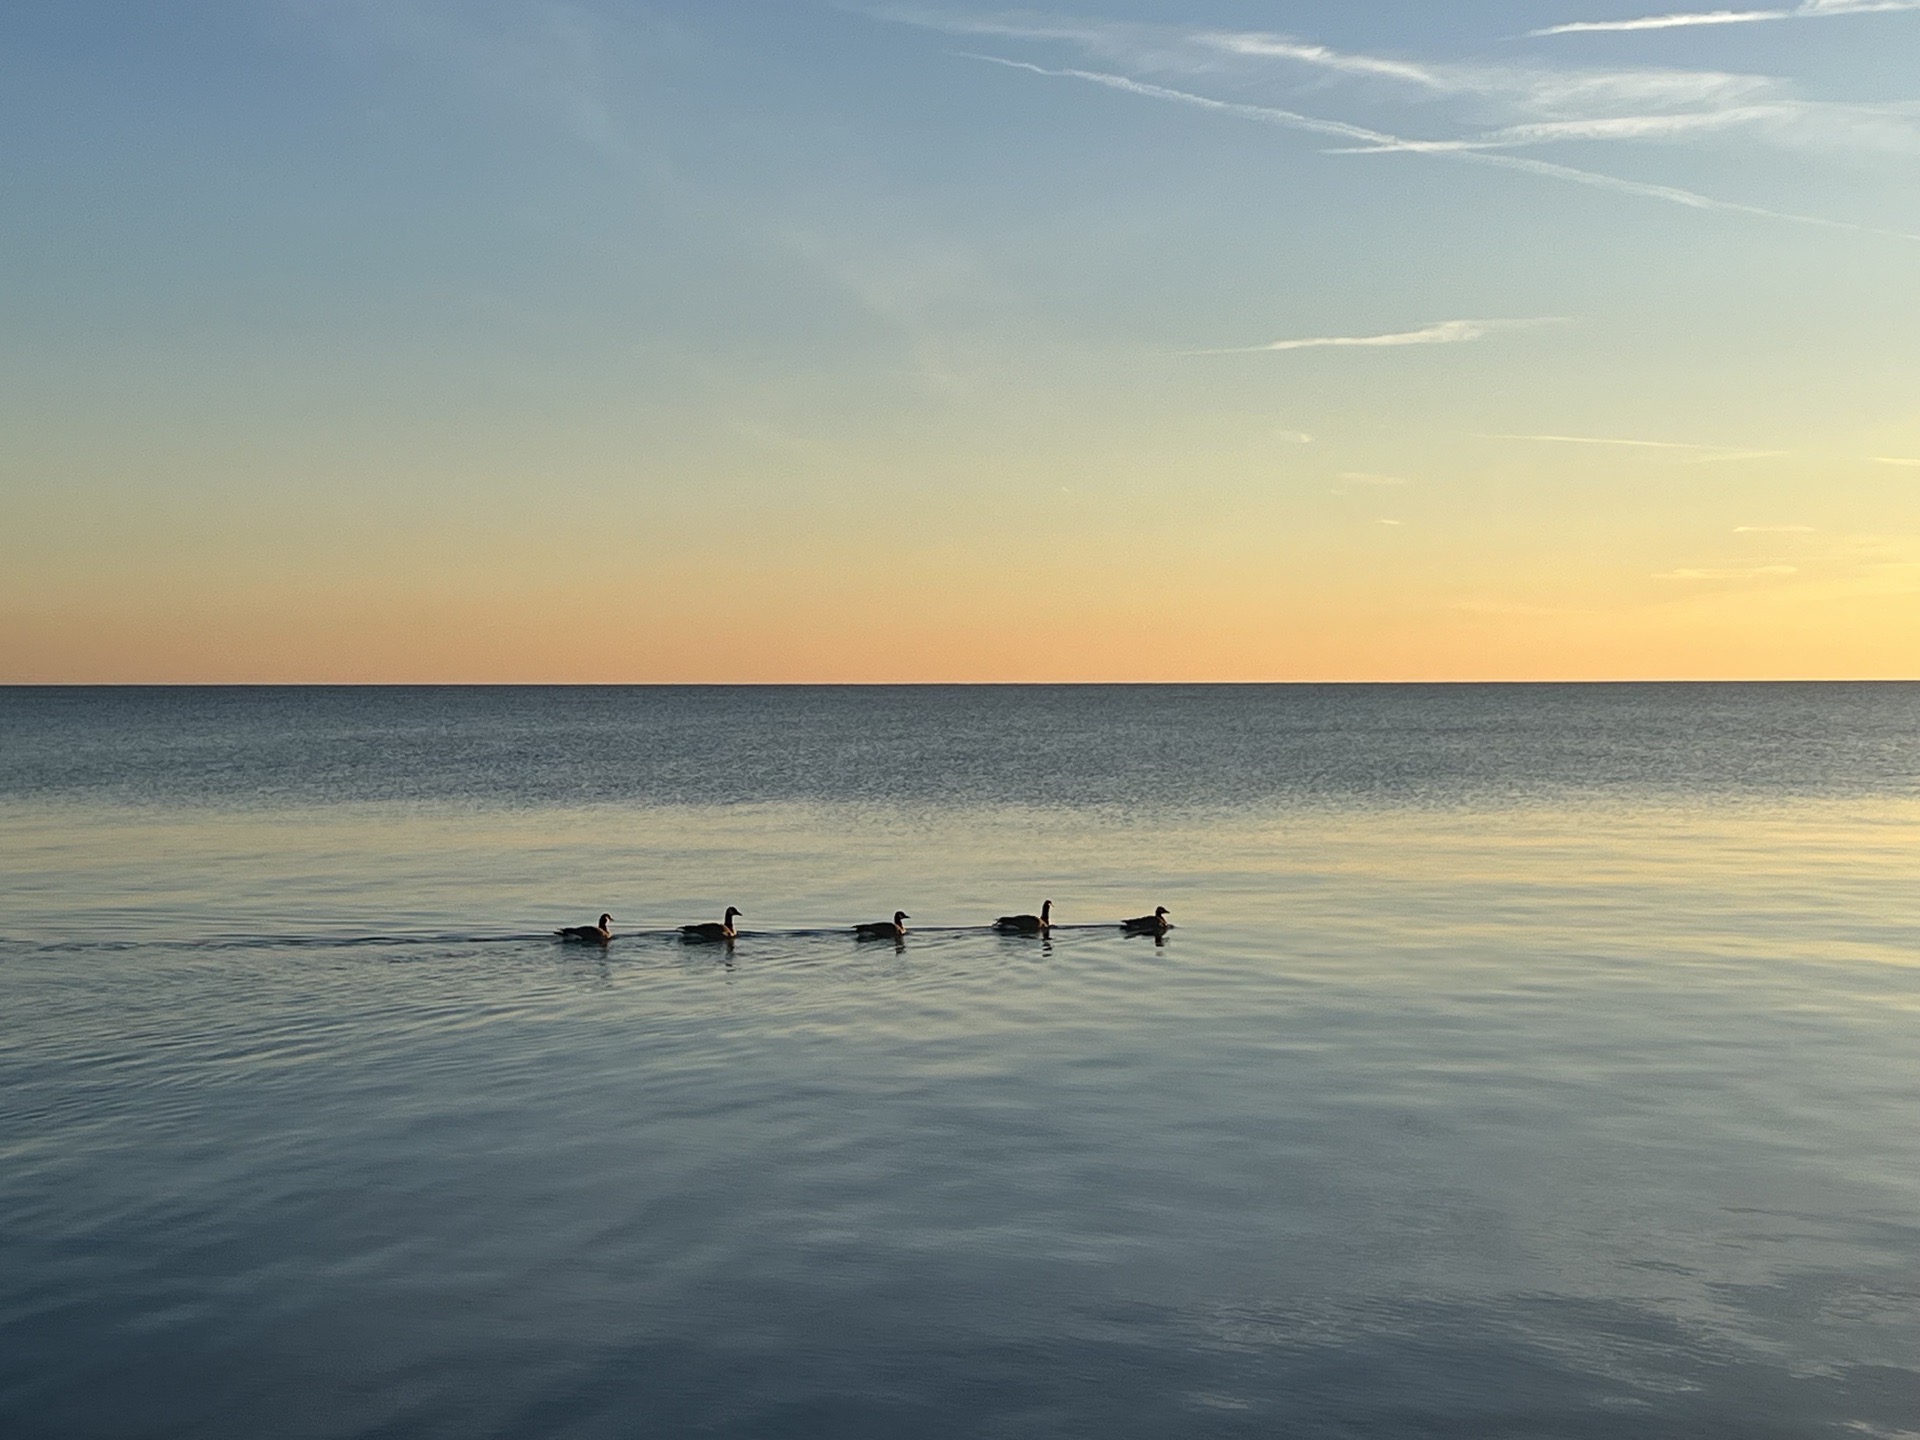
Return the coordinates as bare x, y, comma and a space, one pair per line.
17, 685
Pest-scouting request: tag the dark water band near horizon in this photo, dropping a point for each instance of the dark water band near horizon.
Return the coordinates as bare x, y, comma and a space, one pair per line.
1528, 1061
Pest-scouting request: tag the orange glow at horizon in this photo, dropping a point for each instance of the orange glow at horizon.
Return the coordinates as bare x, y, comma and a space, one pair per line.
1169, 622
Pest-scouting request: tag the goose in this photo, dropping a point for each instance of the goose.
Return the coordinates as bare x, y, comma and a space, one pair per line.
710, 931
1154, 924
884, 929
1027, 924
599, 934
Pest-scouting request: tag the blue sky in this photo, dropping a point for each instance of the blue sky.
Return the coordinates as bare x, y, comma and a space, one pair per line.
1406, 339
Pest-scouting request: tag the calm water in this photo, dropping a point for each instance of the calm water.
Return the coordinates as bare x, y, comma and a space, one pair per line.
1531, 1061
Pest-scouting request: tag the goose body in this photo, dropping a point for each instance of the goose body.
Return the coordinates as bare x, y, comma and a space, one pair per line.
1154, 924
1027, 924
598, 934
884, 929
712, 930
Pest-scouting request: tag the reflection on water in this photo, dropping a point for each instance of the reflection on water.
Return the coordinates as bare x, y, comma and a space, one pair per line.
1568, 1098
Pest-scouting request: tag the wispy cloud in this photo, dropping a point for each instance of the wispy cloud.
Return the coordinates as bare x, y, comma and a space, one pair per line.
1773, 530
1896, 460
1810, 10
1613, 127
1547, 91
1749, 572
1280, 47
1367, 477
1371, 141
1293, 437
1604, 440
1699, 454
1265, 114
1447, 332
1672, 194
1531, 103
1662, 22
1543, 90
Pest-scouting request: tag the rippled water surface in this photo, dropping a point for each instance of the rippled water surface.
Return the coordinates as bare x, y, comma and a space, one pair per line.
1526, 1061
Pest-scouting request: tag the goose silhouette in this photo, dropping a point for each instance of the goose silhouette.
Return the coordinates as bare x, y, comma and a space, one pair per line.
1027, 924
712, 930
597, 934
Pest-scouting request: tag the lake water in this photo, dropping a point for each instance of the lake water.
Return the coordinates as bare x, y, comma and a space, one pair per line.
1527, 1061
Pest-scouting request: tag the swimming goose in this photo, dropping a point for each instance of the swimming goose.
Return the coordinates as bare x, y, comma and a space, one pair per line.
710, 931
1154, 924
1027, 924
884, 929
599, 934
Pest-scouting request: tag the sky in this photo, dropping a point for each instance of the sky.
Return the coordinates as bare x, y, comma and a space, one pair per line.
791, 340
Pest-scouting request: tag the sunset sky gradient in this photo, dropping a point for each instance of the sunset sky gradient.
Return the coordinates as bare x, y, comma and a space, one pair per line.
786, 340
